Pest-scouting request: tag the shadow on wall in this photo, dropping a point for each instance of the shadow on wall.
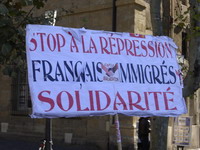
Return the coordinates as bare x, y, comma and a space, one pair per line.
113, 146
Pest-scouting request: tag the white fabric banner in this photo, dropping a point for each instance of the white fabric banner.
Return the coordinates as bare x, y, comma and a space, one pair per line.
78, 72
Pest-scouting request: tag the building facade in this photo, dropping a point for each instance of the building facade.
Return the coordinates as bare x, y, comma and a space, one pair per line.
131, 16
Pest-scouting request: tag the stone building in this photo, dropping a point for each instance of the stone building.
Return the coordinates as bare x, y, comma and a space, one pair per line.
132, 16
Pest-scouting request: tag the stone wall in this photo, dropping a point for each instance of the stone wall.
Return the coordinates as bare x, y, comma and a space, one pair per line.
5, 96
100, 131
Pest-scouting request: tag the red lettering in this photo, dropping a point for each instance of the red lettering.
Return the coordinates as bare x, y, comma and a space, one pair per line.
46, 99
53, 41
111, 40
131, 104
92, 46
65, 101
136, 47
168, 49
128, 47
155, 95
121, 102
120, 42
78, 102
166, 101
59, 39
42, 40
151, 48
146, 100
156, 49
104, 45
83, 43
91, 101
34, 43
108, 100
144, 48
59, 100
162, 54
73, 45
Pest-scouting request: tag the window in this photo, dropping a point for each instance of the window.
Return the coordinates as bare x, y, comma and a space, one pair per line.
184, 44
21, 102
20, 96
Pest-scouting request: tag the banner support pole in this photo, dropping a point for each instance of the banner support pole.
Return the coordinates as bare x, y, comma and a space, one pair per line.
116, 117
48, 144
118, 134
49, 141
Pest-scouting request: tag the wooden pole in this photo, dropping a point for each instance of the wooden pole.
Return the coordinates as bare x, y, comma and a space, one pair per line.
118, 134
114, 28
48, 144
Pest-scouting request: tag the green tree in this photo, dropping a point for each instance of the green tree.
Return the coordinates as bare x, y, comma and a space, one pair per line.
192, 79
13, 20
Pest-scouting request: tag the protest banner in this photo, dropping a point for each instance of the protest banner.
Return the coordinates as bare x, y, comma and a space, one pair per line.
79, 72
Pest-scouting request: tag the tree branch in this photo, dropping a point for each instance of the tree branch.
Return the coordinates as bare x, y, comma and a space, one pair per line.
26, 16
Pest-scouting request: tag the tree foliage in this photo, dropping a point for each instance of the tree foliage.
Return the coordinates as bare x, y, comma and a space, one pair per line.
191, 73
192, 80
13, 20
